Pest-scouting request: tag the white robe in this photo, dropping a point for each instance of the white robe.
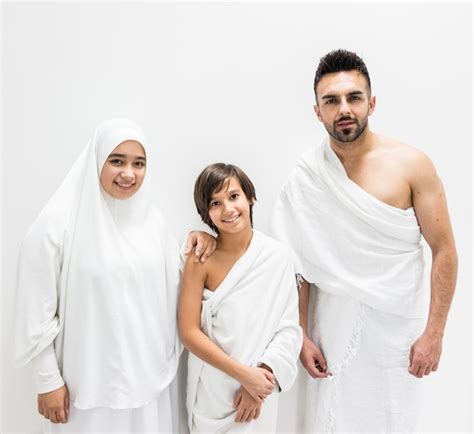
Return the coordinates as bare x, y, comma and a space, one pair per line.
253, 317
364, 261
347, 241
99, 277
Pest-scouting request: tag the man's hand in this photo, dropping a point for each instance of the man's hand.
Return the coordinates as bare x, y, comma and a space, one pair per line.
247, 408
313, 360
54, 405
425, 354
202, 243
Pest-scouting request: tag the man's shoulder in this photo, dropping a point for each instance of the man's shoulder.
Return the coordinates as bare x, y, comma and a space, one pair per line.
404, 154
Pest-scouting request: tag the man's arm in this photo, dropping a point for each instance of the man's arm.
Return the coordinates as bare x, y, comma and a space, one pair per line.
429, 201
311, 356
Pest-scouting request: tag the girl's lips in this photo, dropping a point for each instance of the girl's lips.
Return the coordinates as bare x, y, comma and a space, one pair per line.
232, 219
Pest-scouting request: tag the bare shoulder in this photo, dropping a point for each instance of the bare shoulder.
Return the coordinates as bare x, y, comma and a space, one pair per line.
416, 163
195, 270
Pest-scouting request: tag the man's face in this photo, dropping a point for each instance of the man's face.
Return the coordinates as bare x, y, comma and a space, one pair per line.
344, 105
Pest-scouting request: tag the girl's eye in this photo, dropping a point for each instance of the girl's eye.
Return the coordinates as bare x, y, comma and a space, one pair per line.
214, 204
234, 196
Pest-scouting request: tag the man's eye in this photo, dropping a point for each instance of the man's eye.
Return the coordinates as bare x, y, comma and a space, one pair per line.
330, 101
355, 98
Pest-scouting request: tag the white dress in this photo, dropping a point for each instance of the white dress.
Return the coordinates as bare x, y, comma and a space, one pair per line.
98, 279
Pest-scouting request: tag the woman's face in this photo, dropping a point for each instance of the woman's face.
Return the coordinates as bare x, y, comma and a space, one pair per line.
124, 170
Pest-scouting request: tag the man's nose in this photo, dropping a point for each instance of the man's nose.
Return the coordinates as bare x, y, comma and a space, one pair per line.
344, 107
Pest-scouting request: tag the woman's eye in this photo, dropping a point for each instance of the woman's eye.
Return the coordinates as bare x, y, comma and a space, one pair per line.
214, 204
115, 161
234, 196
140, 164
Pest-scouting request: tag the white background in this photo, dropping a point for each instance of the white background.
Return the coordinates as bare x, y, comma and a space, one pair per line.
230, 82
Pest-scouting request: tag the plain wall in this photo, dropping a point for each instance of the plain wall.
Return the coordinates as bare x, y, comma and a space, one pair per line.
230, 82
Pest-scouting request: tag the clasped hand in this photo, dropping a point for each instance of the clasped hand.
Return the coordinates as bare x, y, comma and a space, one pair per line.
257, 384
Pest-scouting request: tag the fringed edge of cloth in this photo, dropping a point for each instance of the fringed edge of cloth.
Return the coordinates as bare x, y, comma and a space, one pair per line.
351, 351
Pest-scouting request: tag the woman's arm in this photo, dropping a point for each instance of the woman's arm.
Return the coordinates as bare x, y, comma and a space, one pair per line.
257, 381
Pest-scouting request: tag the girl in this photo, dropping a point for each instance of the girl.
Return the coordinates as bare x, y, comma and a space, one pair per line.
238, 313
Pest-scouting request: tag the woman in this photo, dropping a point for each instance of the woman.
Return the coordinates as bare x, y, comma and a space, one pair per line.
97, 294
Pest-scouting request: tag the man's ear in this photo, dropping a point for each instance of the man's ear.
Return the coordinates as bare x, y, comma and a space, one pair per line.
318, 112
372, 102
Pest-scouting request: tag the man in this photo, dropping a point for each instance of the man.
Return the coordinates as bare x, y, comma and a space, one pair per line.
354, 210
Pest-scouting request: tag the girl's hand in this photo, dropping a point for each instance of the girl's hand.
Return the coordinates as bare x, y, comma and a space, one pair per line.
258, 382
247, 408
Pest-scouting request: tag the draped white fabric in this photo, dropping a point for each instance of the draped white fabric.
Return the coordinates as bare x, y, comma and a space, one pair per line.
347, 241
100, 276
253, 317
367, 352
152, 418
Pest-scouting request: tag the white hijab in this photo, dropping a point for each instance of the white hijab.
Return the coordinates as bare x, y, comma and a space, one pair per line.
100, 276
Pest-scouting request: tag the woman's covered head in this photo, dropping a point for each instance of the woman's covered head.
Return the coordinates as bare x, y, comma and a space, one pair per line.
121, 157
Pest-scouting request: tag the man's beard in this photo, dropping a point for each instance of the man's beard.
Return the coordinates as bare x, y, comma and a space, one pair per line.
347, 135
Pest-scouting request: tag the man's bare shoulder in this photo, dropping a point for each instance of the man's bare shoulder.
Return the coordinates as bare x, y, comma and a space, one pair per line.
414, 161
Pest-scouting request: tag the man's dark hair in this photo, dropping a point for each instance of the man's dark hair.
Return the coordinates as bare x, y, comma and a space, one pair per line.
338, 61
211, 180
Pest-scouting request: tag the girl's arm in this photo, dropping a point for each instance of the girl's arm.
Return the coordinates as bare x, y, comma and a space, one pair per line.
257, 381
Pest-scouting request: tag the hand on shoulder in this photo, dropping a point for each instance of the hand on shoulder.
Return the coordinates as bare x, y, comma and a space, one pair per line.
199, 246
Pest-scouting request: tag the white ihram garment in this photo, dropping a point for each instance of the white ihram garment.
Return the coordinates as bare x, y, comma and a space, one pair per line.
253, 317
99, 278
366, 259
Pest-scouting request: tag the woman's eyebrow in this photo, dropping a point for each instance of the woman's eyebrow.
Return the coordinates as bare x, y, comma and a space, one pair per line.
139, 157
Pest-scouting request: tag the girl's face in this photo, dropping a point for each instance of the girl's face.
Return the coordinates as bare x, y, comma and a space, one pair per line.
229, 208
124, 170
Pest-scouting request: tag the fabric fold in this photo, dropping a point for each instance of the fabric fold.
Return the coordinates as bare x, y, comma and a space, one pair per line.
347, 241
253, 317
99, 277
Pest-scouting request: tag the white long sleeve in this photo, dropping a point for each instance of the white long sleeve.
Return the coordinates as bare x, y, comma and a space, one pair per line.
46, 371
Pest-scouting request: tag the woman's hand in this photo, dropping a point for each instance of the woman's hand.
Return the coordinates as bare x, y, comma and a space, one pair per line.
54, 405
247, 408
202, 243
258, 382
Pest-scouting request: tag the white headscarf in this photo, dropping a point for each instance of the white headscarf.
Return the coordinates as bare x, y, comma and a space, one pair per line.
100, 276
